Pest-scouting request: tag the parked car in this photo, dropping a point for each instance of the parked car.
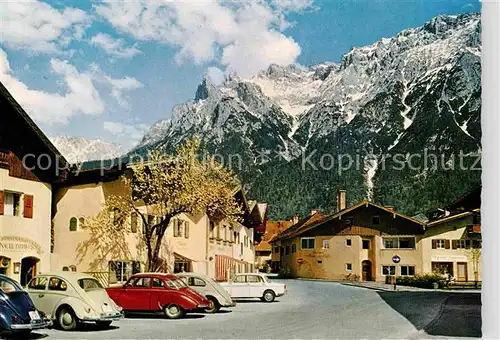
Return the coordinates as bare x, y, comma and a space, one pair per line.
254, 285
18, 314
154, 292
209, 288
70, 298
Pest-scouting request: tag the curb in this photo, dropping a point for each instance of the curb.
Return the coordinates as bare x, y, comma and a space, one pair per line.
365, 287
422, 331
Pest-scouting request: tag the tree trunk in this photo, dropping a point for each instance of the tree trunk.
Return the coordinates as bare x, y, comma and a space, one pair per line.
150, 250
154, 261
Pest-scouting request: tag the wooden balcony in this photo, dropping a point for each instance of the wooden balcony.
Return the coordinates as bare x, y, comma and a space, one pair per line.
15, 166
5, 159
474, 229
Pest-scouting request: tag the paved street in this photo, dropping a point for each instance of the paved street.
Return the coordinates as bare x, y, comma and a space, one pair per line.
310, 310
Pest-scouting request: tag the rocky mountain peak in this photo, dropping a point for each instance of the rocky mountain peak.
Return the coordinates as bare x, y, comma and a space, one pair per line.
78, 149
419, 89
205, 89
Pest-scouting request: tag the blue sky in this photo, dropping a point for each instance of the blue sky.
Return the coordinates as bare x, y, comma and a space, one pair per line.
110, 70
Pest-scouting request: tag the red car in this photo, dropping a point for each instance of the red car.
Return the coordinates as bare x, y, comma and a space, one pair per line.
154, 292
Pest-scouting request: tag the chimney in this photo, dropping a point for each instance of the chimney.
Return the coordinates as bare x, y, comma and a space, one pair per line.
341, 200
295, 219
314, 212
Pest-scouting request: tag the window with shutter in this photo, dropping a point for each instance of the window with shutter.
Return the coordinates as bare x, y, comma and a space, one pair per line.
1, 202
176, 228
73, 223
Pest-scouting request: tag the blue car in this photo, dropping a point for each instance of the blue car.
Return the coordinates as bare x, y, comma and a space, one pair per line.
18, 314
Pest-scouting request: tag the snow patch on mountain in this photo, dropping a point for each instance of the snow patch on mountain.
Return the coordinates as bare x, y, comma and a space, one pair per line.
287, 106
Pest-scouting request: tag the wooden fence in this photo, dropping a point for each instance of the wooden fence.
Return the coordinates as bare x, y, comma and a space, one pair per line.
102, 277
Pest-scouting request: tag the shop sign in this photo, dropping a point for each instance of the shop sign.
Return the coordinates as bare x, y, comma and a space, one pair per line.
19, 244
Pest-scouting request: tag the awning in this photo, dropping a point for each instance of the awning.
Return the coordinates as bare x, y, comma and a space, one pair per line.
179, 258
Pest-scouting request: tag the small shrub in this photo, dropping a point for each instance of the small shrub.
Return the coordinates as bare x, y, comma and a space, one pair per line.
420, 281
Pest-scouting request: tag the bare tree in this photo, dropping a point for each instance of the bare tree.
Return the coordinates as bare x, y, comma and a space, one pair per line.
164, 187
475, 257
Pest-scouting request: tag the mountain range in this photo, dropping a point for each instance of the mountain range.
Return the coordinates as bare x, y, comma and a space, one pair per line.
292, 132
79, 149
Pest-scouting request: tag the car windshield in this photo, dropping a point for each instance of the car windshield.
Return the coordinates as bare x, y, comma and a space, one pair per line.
266, 279
8, 285
89, 284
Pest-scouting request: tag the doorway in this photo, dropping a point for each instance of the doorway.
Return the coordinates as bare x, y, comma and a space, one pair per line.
462, 271
366, 272
4, 265
28, 269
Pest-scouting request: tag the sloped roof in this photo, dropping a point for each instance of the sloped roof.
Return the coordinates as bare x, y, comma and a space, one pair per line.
263, 246
468, 201
421, 217
451, 218
251, 204
262, 210
299, 226
20, 111
273, 228
313, 223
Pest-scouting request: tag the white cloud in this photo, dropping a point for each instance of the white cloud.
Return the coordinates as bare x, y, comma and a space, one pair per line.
133, 132
114, 47
247, 34
292, 5
39, 27
118, 85
216, 75
81, 96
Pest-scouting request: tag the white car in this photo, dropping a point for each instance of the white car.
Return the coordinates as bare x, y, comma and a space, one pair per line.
207, 287
254, 285
70, 298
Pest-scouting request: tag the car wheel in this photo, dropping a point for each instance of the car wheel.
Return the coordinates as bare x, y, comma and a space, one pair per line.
268, 296
103, 324
173, 311
67, 319
214, 305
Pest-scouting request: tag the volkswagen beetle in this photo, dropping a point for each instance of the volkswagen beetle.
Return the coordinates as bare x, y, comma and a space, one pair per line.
208, 287
70, 298
18, 314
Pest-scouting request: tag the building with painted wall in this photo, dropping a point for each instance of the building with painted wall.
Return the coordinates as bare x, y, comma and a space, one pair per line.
356, 243
452, 241
29, 166
191, 243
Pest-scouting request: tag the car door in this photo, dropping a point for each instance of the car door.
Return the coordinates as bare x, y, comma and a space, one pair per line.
161, 294
239, 287
136, 294
37, 289
57, 289
255, 285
